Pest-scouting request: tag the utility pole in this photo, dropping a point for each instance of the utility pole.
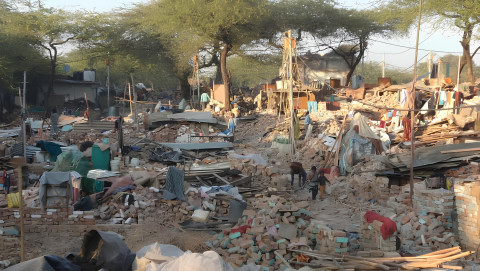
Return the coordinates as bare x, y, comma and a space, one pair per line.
24, 112
383, 66
108, 81
290, 74
412, 105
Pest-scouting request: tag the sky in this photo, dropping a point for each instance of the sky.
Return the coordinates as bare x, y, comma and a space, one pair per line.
396, 55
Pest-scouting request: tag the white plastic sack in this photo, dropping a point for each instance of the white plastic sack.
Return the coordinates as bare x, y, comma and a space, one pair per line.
209, 260
156, 254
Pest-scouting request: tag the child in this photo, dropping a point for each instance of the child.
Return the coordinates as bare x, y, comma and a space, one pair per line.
313, 178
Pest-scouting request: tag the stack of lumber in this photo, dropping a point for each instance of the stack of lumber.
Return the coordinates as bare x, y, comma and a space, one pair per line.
435, 259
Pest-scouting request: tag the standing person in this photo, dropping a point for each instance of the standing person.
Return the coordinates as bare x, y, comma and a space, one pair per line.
297, 168
322, 180
314, 182
308, 125
54, 121
204, 99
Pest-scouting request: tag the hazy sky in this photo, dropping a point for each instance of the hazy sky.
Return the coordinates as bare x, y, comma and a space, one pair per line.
395, 55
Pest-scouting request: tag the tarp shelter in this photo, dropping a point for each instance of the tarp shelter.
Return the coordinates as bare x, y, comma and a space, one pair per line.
357, 144
56, 188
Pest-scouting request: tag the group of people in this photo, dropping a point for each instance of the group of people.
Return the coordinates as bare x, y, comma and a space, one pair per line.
316, 179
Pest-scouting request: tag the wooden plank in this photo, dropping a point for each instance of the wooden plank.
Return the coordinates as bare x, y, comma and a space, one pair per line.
202, 181
244, 180
221, 178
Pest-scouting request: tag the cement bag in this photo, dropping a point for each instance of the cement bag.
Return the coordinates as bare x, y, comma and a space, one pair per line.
156, 254
13, 200
208, 261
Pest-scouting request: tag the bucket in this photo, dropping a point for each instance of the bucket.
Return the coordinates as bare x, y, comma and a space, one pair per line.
115, 165
113, 111
100, 159
135, 162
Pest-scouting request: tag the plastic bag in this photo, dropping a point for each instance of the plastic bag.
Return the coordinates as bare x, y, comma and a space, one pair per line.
13, 200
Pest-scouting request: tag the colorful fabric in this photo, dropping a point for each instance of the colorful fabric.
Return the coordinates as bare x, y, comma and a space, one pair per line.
441, 98
98, 186
204, 98
388, 226
312, 106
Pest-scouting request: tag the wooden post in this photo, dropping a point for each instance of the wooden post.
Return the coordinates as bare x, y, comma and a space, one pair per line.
22, 228
135, 113
24, 112
412, 105
130, 98
290, 75
88, 109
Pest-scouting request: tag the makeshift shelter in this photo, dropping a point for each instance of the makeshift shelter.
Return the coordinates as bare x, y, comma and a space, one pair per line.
360, 141
57, 188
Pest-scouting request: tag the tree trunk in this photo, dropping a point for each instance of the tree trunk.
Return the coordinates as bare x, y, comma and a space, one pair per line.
184, 86
225, 75
467, 57
51, 81
468, 61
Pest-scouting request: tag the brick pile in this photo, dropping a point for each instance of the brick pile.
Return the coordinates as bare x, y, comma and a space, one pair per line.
437, 201
371, 237
426, 227
38, 216
467, 206
272, 225
149, 207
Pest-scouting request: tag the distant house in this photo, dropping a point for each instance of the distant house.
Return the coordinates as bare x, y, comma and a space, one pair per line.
67, 88
317, 68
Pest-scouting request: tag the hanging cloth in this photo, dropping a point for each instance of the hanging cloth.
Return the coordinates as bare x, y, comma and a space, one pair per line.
312, 106
406, 129
441, 99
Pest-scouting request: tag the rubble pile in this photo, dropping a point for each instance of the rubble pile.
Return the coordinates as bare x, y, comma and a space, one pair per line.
270, 228
387, 99
371, 238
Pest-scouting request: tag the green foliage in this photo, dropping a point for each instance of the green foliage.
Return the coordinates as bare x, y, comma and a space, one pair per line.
373, 70
16, 54
251, 71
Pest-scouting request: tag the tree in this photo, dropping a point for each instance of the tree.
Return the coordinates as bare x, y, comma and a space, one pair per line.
48, 29
350, 40
463, 14
207, 23
16, 54
249, 71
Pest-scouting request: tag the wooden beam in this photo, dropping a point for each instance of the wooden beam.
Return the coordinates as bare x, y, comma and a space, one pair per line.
201, 181
221, 178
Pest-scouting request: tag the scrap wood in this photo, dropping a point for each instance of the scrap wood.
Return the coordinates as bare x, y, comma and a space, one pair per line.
221, 178
357, 260
431, 260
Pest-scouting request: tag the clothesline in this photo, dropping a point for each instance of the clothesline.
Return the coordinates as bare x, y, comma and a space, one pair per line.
418, 110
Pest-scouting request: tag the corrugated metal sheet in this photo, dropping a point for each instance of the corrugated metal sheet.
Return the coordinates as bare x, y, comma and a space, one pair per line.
199, 146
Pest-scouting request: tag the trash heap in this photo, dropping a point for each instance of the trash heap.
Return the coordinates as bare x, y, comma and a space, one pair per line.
274, 225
